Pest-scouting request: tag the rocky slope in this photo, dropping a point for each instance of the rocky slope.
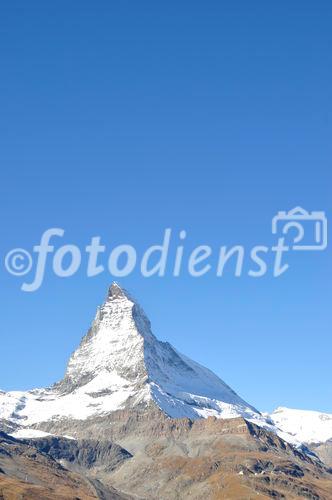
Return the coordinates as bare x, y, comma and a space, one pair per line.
323, 451
185, 459
214, 458
26, 473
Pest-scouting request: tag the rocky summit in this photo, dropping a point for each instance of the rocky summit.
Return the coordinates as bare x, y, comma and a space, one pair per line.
134, 418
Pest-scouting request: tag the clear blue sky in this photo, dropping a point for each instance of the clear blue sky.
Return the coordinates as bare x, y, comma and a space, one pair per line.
120, 119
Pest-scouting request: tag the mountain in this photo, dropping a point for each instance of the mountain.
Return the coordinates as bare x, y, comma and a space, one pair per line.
307, 426
133, 418
120, 364
312, 428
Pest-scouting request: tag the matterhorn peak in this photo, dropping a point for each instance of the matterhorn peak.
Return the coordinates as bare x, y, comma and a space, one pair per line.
116, 292
120, 364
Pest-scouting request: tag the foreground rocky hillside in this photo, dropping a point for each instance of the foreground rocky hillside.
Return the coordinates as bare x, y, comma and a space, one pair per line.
157, 457
26, 473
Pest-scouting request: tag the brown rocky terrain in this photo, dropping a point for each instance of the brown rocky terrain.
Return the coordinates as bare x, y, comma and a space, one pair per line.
208, 458
324, 451
28, 474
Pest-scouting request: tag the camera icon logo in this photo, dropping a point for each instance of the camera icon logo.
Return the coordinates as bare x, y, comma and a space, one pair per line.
306, 224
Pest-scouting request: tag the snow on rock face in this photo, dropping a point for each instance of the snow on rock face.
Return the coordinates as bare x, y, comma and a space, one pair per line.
120, 364
305, 426
29, 434
113, 349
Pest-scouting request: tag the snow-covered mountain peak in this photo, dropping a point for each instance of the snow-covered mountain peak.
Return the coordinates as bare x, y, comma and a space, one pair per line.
114, 344
119, 314
115, 292
306, 426
121, 364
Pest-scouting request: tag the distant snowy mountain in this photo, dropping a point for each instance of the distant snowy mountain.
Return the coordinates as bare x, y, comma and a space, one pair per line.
120, 364
305, 426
